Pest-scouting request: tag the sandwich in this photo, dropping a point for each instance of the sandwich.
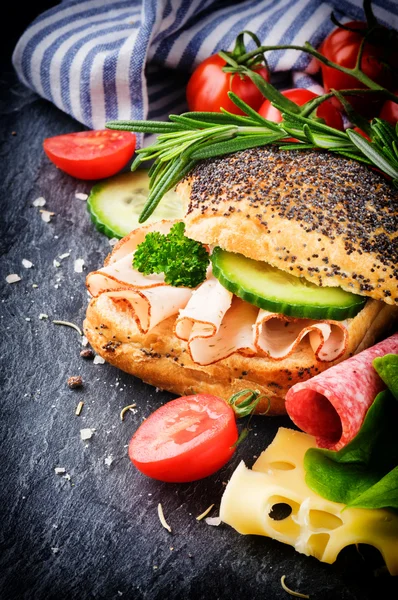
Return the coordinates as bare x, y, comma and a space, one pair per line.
302, 274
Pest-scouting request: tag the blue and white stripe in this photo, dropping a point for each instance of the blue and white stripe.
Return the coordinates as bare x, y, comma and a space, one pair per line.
101, 60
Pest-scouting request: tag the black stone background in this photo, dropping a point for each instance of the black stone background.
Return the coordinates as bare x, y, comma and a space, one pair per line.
97, 535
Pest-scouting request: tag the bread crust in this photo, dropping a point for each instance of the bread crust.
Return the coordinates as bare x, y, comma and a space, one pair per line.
328, 219
162, 360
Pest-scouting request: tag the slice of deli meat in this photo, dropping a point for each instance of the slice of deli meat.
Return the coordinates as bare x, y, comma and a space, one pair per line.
215, 324
278, 336
149, 307
332, 406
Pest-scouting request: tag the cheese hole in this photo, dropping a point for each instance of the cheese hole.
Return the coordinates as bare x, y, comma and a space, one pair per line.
317, 544
321, 519
282, 465
280, 511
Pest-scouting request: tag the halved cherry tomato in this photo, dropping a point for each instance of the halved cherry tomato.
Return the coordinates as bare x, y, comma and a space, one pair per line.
91, 154
185, 439
379, 59
300, 96
389, 111
208, 87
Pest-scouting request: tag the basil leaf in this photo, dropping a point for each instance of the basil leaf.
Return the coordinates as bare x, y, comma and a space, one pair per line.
387, 368
345, 475
382, 494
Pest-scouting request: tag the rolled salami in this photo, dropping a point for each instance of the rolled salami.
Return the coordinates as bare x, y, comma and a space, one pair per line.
332, 405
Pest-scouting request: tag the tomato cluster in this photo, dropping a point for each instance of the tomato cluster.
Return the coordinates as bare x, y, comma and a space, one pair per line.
209, 84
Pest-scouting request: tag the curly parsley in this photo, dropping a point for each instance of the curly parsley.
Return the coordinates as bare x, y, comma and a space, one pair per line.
183, 261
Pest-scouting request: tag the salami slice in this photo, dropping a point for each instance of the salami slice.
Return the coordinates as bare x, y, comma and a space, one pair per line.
332, 405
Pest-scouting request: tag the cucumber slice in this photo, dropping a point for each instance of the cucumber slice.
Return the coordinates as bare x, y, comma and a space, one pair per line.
272, 289
116, 203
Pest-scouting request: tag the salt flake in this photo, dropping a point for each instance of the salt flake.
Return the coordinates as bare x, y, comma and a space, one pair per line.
214, 521
98, 360
13, 278
26, 263
87, 433
46, 215
39, 201
79, 263
60, 470
81, 196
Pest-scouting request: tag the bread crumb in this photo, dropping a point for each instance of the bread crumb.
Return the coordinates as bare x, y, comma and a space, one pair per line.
75, 381
43, 316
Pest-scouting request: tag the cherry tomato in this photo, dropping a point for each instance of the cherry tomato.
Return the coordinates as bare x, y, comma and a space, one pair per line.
91, 154
329, 113
208, 87
342, 47
389, 111
185, 439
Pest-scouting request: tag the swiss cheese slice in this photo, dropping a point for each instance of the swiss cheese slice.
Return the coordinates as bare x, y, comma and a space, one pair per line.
316, 526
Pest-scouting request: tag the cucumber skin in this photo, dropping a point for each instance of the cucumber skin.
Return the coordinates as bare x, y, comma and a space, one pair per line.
101, 227
291, 310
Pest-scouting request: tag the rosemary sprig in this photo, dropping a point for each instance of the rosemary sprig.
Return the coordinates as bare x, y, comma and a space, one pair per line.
185, 139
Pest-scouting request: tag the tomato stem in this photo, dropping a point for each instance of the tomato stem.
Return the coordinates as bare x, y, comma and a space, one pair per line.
355, 72
245, 402
232, 58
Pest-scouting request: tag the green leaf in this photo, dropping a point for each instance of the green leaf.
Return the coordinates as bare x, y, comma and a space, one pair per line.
353, 116
144, 126
315, 126
230, 146
252, 113
270, 92
169, 178
383, 494
345, 475
387, 368
372, 153
384, 131
223, 118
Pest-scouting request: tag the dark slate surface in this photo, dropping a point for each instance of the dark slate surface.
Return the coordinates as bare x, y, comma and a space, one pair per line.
97, 535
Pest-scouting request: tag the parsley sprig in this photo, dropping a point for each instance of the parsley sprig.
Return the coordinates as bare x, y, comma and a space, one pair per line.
183, 261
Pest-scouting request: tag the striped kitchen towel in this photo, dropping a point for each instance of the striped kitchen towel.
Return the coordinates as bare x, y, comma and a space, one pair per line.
101, 60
